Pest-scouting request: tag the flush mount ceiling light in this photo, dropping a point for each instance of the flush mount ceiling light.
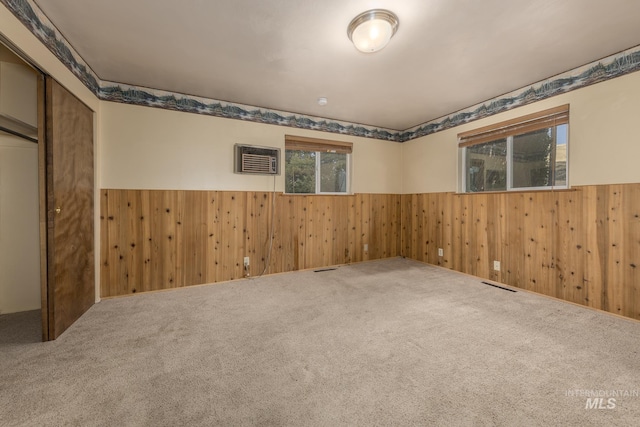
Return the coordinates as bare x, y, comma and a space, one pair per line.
371, 30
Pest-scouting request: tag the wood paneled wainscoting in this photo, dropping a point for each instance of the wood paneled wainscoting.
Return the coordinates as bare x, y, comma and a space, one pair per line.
162, 239
581, 245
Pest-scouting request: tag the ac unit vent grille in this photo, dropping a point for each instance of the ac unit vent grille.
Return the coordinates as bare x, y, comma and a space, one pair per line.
256, 160
256, 163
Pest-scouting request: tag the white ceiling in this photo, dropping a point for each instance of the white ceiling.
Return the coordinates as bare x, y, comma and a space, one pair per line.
284, 54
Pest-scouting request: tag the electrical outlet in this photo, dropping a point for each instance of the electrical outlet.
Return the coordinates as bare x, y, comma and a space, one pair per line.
440, 252
246, 261
366, 247
496, 265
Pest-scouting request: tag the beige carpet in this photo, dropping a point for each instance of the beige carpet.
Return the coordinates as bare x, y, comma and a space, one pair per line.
392, 342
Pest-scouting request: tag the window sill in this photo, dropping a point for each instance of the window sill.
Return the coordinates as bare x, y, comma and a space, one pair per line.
520, 190
318, 194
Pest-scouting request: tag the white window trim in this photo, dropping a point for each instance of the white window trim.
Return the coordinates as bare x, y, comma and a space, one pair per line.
462, 168
319, 178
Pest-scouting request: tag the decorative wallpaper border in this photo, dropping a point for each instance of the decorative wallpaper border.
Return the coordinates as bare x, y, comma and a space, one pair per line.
37, 22
28, 12
137, 95
612, 66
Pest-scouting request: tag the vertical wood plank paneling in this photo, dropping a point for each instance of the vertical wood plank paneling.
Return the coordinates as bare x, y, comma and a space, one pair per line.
341, 235
194, 226
480, 240
397, 224
233, 227
145, 241
352, 245
494, 234
179, 234
313, 239
297, 231
377, 228
132, 249
570, 248
283, 244
457, 244
422, 229
603, 242
168, 239
594, 258
516, 256
538, 237
156, 239
375, 238
406, 201
325, 231
581, 245
548, 220
301, 231
263, 223
530, 269
430, 235
308, 240
438, 229
364, 217
615, 293
213, 236
631, 227
413, 220
256, 232
467, 237
504, 235
105, 267
116, 260
445, 229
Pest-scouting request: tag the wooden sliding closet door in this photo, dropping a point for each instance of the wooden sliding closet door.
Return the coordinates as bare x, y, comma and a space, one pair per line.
70, 197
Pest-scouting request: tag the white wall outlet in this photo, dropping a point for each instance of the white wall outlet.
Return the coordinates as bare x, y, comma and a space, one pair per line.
246, 261
496, 265
440, 252
366, 247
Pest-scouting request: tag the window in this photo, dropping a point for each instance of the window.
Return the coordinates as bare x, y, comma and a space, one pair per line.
316, 166
525, 153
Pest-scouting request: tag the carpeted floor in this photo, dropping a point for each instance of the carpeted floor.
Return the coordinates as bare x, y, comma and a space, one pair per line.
392, 342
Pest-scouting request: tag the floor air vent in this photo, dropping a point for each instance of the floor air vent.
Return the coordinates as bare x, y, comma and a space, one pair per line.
499, 287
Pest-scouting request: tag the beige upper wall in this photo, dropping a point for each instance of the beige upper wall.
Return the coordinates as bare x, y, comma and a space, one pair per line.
167, 149
35, 52
152, 148
603, 141
141, 147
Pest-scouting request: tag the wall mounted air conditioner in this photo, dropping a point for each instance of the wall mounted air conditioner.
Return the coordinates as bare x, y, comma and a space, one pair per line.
256, 160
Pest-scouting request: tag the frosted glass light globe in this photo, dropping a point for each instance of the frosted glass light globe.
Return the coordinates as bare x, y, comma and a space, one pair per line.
371, 30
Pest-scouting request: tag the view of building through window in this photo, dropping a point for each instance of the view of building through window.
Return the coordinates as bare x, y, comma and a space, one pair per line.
522, 156
315, 172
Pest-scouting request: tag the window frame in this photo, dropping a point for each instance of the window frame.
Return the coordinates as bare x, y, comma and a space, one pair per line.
319, 146
551, 118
